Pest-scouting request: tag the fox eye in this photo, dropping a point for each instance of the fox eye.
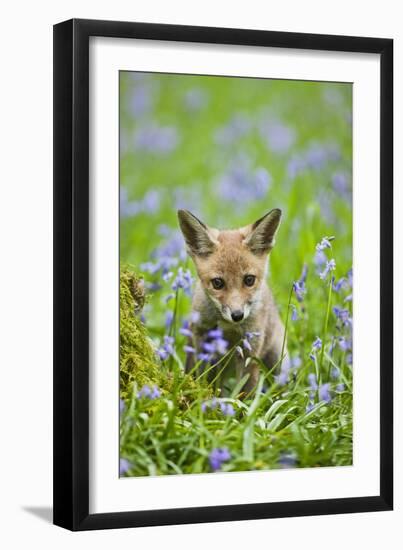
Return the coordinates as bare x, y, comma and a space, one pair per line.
217, 283
249, 280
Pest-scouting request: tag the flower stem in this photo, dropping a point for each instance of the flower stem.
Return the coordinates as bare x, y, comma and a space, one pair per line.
325, 327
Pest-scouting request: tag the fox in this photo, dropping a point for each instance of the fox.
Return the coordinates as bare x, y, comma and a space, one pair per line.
232, 294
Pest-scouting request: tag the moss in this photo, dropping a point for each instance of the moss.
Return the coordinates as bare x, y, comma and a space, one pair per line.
138, 361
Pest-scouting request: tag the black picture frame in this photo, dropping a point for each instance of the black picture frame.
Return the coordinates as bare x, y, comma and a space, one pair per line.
71, 274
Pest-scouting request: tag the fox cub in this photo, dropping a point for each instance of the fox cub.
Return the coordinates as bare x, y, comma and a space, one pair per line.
231, 292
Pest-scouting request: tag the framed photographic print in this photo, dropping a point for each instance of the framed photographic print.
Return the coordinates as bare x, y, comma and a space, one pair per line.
216, 192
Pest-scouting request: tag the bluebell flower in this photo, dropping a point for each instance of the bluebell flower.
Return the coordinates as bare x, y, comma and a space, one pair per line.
312, 381
294, 313
195, 317
246, 344
309, 407
296, 362
295, 166
227, 409
195, 99
350, 277
341, 283
330, 266
335, 373
141, 96
319, 258
242, 184
344, 343
169, 317
185, 330
287, 459
148, 393
324, 243
235, 129
251, 335
189, 349
324, 393
282, 378
340, 182
317, 344
155, 139
342, 315
121, 406
150, 203
279, 138
299, 286
183, 280
217, 457
166, 349
215, 333
124, 466
340, 387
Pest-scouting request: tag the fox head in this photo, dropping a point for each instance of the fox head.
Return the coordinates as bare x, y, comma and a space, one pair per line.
231, 264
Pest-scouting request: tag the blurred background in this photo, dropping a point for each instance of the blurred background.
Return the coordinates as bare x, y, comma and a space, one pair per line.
230, 149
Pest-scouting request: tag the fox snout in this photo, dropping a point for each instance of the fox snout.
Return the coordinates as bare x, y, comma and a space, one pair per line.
235, 313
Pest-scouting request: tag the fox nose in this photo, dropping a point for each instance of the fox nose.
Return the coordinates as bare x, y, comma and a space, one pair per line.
237, 315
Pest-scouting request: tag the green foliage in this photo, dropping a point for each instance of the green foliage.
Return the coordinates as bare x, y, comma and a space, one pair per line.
286, 423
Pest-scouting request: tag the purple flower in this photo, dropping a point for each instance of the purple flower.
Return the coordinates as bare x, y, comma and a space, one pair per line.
124, 466
295, 166
312, 381
195, 317
167, 348
246, 344
335, 373
324, 393
330, 266
227, 409
279, 137
344, 344
282, 378
152, 138
251, 335
287, 459
299, 286
236, 128
169, 317
342, 315
317, 344
141, 100
296, 362
340, 387
189, 349
319, 258
340, 182
294, 313
242, 184
149, 393
215, 333
309, 407
324, 243
185, 330
217, 457
121, 406
183, 280
341, 283
195, 99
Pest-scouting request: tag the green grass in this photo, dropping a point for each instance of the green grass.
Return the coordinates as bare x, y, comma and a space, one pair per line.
280, 424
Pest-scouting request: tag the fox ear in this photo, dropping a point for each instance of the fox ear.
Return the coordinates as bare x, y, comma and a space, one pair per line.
261, 234
197, 235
